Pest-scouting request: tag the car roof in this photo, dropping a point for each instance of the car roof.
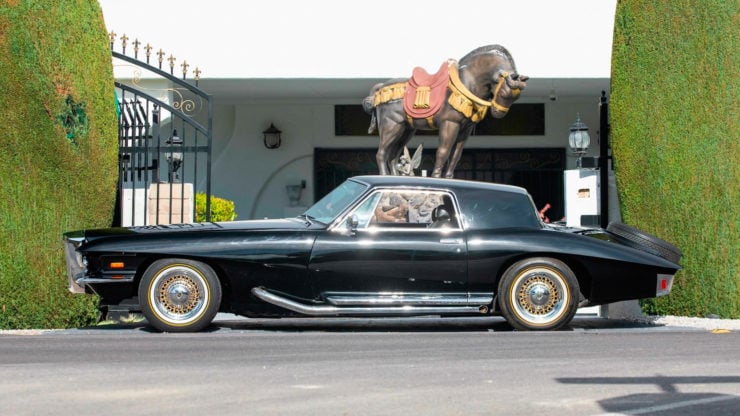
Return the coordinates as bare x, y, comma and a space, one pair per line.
420, 181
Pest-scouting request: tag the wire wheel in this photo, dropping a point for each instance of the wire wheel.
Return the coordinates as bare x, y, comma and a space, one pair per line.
179, 295
538, 293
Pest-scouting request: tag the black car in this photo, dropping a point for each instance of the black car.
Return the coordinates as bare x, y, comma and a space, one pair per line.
374, 246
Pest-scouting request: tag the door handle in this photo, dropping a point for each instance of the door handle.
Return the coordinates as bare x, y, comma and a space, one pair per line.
450, 241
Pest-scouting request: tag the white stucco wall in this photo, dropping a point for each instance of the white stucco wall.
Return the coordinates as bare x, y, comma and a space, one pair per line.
255, 177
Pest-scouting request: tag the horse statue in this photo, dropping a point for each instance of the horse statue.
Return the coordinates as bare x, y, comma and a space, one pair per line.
453, 101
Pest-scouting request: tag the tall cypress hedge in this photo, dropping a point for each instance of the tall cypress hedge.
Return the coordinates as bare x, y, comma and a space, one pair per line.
674, 118
58, 153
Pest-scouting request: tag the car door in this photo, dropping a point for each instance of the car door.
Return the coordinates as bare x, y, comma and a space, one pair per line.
391, 248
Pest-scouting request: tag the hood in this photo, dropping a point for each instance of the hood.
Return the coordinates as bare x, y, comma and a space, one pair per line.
185, 239
246, 225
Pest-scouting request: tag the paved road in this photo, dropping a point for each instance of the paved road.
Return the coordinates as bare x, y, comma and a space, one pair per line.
372, 367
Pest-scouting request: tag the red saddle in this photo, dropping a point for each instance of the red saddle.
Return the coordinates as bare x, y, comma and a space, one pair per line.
425, 93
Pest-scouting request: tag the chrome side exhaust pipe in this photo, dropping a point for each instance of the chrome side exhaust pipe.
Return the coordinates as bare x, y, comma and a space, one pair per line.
329, 310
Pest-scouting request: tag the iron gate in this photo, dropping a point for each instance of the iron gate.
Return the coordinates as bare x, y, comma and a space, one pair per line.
165, 134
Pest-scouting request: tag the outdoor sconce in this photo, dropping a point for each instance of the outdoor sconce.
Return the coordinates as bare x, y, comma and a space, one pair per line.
174, 157
272, 137
294, 193
578, 139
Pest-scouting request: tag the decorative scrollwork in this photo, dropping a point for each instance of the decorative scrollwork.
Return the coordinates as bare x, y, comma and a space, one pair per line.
186, 105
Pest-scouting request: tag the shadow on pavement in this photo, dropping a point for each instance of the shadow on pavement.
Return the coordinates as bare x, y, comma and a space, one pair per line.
670, 401
409, 324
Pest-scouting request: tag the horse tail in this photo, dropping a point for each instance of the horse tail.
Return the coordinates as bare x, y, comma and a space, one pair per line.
373, 123
369, 107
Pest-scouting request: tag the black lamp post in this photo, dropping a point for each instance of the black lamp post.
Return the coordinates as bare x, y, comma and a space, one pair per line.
578, 139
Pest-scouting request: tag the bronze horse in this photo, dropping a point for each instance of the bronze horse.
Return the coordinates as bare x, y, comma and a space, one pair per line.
484, 78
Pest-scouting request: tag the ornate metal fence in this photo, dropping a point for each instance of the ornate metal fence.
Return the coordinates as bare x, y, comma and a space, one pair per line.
165, 134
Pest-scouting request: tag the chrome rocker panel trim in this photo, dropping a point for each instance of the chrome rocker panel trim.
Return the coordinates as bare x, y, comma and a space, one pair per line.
413, 299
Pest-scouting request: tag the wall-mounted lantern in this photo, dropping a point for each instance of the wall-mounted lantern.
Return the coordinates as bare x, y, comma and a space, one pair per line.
272, 137
294, 192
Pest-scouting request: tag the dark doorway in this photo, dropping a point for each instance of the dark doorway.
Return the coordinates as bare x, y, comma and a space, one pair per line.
540, 171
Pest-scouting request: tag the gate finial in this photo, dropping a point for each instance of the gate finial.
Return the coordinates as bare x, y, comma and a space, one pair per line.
148, 49
172, 60
124, 39
136, 44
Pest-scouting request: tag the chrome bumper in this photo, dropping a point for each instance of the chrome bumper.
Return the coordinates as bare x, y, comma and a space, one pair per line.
76, 269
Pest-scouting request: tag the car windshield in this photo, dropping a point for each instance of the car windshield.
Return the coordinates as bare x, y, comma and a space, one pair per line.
335, 201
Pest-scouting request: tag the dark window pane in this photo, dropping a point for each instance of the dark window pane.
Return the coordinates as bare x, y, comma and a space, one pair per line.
522, 120
487, 209
351, 120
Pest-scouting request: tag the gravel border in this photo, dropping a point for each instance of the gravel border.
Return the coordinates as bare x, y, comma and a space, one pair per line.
684, 321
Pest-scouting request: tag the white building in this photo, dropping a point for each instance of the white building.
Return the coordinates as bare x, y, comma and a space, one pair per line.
291, 63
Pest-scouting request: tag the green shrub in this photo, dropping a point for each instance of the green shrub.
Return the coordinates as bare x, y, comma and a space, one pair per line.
674, 118
221, 209
58, 153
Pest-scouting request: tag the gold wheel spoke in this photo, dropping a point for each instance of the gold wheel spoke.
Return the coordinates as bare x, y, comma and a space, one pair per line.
523, 295
179, 307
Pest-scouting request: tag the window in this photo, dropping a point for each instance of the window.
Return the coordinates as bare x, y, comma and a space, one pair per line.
522, 120
493, 209
407, 209
336, 201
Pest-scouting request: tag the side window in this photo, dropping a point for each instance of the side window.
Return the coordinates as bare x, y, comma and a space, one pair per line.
423, 205
407, 209
494, 209
392, 208
444, 215
365, 211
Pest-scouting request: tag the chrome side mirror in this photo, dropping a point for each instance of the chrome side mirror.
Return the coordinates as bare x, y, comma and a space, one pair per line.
352, 223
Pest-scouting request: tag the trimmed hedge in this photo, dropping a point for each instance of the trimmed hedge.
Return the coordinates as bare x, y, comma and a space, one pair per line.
221, 209
674, 118
57, 153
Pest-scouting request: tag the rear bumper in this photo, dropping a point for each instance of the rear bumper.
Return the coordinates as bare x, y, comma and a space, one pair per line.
76, 268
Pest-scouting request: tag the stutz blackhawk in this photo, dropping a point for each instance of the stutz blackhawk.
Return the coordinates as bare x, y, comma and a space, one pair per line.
376, 246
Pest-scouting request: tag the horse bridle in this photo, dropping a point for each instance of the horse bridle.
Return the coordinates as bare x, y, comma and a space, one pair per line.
514, 91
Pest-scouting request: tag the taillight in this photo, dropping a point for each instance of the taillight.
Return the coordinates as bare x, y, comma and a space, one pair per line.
664, 284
